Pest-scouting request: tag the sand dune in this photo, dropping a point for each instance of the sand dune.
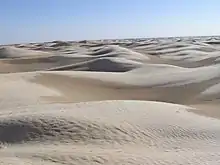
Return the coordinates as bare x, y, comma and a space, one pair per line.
13, 52
111, 132
106, 64
117, 51
147, 83
131, 101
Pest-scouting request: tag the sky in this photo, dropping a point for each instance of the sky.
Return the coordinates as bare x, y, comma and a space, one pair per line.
25, 21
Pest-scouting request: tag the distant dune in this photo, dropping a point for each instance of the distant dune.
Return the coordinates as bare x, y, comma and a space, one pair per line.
13, 52
105, 64
131, 101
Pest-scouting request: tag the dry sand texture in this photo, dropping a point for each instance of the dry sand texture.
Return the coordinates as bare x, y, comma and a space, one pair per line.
134, 101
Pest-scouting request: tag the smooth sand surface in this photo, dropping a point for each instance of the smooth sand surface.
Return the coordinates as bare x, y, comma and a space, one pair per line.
140, 101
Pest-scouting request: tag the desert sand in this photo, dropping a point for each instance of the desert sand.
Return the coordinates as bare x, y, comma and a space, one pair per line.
130, 101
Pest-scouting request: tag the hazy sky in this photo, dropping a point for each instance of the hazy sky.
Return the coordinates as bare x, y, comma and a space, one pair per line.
45, 20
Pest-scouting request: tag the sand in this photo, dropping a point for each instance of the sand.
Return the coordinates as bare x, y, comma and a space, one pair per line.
136, 101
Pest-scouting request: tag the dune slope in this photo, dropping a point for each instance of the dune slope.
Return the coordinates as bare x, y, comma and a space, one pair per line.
109, 132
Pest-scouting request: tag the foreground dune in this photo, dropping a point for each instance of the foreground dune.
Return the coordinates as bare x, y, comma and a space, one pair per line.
108, 132
134, 101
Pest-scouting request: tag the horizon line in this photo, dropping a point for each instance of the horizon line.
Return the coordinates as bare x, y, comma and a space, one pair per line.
162, 37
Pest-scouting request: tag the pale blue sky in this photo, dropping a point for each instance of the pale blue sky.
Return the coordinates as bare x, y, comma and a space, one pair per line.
46, 20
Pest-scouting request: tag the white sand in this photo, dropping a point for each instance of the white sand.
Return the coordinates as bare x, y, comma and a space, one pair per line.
110, 102
111, 132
